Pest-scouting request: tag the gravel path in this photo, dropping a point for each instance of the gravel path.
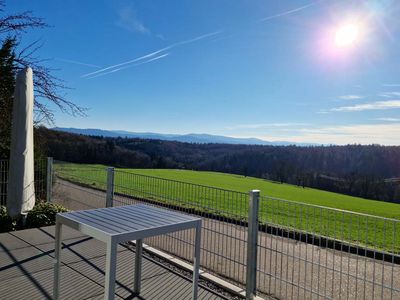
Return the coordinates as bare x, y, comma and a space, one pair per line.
288, 269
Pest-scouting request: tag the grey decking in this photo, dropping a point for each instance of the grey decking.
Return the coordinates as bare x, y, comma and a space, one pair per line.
26, 269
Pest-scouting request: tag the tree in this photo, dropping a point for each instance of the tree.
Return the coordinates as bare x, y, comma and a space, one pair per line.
7, 83
47, 87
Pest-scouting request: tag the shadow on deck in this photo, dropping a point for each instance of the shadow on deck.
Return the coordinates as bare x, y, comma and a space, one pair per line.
26, 269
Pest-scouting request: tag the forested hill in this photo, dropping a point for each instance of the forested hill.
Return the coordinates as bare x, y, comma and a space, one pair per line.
365, 171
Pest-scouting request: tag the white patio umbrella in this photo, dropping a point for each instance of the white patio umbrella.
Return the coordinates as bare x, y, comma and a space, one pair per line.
21, 187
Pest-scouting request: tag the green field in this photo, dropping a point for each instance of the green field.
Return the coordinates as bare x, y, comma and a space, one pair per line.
299, 213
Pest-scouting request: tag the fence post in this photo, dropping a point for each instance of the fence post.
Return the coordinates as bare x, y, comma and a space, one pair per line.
252, 239
110, 187
49, 181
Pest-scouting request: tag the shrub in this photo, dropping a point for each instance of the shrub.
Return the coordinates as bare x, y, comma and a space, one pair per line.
43, 214
6, 223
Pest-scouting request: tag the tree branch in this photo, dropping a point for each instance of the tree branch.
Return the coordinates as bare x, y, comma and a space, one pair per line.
47, 87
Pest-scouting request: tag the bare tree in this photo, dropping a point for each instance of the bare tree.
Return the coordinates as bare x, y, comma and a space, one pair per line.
48, 88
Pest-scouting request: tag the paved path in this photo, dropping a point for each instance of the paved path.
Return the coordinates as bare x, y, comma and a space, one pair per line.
288, 269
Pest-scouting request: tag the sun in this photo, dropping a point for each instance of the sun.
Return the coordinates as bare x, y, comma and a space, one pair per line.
347, 35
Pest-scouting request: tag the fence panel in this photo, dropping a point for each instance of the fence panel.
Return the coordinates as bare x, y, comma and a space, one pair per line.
312, 252
40, 179
224, 234
77, 187
40, 166
3, 181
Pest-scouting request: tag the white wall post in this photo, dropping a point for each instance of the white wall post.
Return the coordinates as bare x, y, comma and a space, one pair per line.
49, 181
252, 239
110, 187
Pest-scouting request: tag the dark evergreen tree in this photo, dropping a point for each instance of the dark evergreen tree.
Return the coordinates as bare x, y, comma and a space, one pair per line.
7, 83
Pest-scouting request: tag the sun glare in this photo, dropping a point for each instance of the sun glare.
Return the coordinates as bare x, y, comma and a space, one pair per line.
347, 35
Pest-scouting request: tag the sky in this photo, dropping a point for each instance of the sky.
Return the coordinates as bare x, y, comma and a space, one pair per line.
274, 70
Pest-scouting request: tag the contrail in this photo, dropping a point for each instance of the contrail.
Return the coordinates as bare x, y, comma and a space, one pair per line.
134, 65
285, 13
127, 62
77, 62
151, 54
197, 38
288, 12
118, 67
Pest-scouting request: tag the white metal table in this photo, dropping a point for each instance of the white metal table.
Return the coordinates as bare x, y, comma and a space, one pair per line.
114, 225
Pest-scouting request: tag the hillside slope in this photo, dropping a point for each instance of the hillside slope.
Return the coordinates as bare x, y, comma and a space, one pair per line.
94, 174
277, 190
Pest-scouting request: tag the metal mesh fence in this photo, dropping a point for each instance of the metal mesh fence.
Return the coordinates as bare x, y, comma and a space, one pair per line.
40, 179
3, 181
311, 252
224, 234
304, 251
79, 187
40, 169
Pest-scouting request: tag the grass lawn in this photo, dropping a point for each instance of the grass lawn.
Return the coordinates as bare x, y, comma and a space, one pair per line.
375, 232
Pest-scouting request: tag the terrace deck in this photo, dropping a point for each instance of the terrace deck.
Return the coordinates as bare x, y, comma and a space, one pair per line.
26, 269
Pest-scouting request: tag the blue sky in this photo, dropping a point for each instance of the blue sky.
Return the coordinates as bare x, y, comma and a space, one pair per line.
265, 69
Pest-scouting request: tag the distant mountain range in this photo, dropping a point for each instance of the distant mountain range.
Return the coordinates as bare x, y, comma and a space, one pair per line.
186, 138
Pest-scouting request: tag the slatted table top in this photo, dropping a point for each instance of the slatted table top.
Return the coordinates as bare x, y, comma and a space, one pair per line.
127, 222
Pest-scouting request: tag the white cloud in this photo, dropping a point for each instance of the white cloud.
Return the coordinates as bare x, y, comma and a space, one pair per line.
128, 20
391, 84
385, 134
264, 125
351, 97
388, 119
161, 37
389, 94
378, 105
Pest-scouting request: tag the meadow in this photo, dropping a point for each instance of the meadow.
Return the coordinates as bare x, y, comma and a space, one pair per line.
333, 215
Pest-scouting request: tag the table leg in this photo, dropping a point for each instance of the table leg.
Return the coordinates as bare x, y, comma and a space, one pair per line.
138, 266
57, 261
111, 260
196, 262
